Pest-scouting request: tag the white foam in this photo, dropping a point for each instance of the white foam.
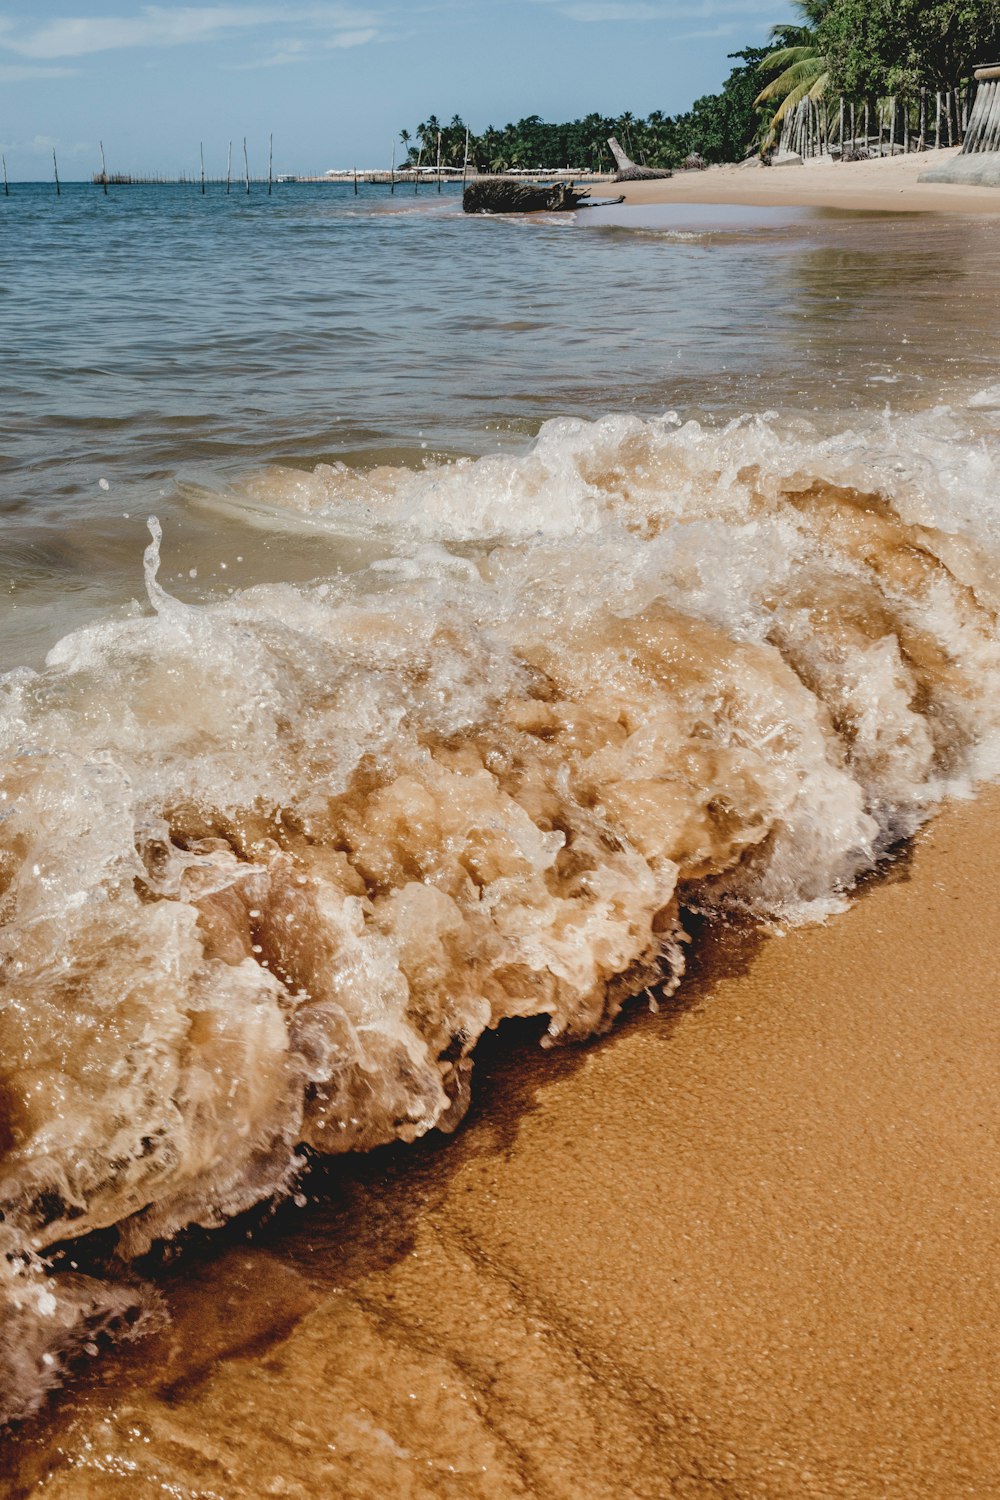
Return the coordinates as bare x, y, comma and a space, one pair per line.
270, 865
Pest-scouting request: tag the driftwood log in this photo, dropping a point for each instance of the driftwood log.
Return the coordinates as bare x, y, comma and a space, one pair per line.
506, 195
627, 169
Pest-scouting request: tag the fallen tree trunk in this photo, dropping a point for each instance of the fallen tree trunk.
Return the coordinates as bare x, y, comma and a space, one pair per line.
627, 169
505, 195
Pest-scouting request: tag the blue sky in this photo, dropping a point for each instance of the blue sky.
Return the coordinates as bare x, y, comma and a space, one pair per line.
336, 82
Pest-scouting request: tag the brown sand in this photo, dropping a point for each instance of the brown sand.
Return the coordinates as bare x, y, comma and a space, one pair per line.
886, 184
745, 1248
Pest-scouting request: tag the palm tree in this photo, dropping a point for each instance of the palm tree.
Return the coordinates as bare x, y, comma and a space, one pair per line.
625, 123
801, 66
427, 133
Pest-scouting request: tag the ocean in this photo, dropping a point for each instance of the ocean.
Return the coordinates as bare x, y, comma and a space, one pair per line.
411, 623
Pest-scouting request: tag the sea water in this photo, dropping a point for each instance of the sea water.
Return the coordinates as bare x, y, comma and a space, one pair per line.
407, 620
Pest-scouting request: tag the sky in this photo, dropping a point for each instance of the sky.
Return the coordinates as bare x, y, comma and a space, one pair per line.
337, 82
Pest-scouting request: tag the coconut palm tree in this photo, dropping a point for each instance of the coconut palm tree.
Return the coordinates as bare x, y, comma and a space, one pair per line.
800, 65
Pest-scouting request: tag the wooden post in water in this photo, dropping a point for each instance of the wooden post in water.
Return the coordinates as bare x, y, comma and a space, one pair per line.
465, 159
270, 162
439, 161
104, 169
416, 175
229, 167
355, 182
201, 150
392, 170
6, 188
246, 165
55, 166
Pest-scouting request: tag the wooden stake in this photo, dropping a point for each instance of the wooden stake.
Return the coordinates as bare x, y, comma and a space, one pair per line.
55, 165
201, 149
355, 182
439, 161
840, 135
465, 159
270, 161
246, 165
229, 167
6, 188
104, 169
392, 170
937, 121
416, 175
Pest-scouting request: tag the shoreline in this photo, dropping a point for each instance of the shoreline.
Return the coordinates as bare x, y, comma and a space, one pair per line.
742, 1247
884, 185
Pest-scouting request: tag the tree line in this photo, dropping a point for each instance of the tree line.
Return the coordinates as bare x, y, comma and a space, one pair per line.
864, 51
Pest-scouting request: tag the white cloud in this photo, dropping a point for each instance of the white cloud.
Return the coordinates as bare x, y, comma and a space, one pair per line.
647, 10
597, 10
714, 33
296, 51
352, 38
26, 72
172, 26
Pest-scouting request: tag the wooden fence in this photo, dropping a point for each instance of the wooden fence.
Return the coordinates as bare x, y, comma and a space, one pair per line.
983, 133
819, 127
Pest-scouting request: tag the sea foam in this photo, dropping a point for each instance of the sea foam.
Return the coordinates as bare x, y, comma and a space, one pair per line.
270, 865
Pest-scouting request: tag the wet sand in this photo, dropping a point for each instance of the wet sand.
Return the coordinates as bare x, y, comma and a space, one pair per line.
888, 184
745, 1247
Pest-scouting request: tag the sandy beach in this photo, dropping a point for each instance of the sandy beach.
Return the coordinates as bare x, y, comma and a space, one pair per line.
743, 1247
887, 184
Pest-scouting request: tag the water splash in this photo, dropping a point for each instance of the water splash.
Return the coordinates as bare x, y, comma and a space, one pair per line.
270, 866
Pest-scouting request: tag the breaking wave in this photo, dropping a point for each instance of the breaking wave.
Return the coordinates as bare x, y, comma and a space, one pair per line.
270, 865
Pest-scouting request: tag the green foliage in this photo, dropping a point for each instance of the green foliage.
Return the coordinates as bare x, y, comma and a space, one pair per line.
722, 127
798, 66
864, 49
726, 126
885, 47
